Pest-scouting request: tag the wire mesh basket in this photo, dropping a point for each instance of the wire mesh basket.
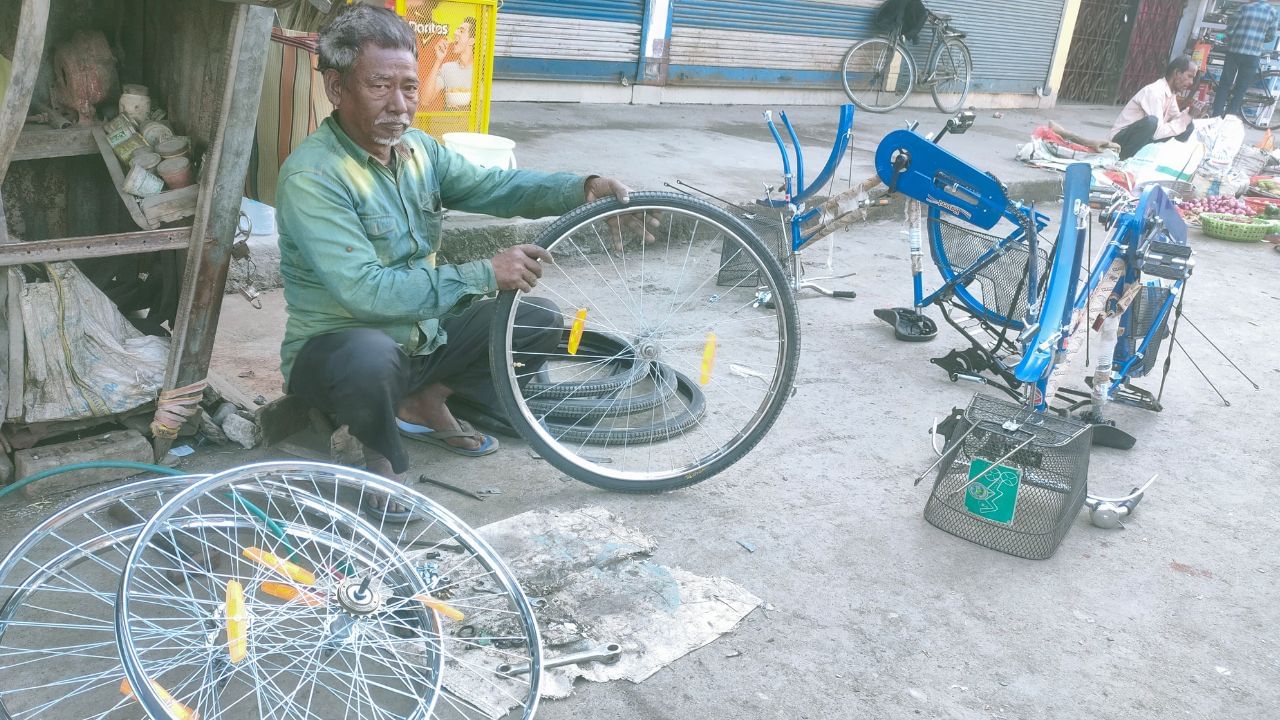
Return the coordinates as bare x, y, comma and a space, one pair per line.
1143, 313
1003, 281
738, 269
1011, 480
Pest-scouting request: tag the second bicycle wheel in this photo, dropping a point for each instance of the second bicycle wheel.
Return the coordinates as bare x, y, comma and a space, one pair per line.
1259, 106
261, 593
696, 296
952, 71
877, 75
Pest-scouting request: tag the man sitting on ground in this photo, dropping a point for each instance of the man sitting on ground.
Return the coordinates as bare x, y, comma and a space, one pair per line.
1156, 113
379, 334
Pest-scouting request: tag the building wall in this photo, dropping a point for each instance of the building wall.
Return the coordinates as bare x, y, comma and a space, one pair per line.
754, 51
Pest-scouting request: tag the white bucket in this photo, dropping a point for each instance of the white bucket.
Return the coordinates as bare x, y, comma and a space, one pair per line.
483, 150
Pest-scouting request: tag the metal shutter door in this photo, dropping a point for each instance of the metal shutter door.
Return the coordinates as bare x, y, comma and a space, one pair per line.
586, 40
762, 43
1011, 43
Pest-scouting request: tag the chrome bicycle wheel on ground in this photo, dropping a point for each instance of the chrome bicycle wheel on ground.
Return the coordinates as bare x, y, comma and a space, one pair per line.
680, 350
878, 75
952, 71
58, 655
290, 604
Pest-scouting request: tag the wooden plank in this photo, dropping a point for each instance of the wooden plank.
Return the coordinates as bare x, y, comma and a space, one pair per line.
222, 180
117, 179
37, 143
94, 246
229, 391
282, 418
27, 51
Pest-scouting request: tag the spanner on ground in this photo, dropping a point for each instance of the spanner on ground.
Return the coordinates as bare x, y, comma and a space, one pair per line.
607, 654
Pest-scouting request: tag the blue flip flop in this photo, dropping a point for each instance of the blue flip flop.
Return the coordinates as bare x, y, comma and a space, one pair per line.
421, 433
382, 513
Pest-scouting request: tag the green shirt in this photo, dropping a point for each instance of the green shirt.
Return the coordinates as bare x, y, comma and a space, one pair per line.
358, 240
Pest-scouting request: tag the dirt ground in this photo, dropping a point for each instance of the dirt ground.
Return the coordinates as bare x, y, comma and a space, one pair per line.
872, 612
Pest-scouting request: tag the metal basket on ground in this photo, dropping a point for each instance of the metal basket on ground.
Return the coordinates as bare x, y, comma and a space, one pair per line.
1011, 480
1144, 311
1004, 281
768, 225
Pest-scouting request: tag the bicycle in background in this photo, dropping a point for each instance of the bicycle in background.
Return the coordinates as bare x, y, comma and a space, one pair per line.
880, 73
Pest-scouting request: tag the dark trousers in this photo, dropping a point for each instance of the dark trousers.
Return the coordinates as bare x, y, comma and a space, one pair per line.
1238, 73
1132, 138
361, 375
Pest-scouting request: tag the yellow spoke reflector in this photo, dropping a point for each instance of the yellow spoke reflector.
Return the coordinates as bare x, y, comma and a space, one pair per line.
443, 608
575, 335
281, 566
289, 593
708, 358
237, 623
176, 710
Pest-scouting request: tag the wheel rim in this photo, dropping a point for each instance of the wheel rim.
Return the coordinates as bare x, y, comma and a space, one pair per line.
877, 75
952, 73
57, 624
317, 612
683, 301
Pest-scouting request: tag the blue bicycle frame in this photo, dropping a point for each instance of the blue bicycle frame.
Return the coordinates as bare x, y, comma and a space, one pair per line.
794, 186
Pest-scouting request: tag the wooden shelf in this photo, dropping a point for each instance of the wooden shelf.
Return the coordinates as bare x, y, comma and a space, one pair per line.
154, 210
38, 143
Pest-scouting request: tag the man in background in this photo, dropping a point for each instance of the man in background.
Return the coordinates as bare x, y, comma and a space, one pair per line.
1250, 33
1156, 113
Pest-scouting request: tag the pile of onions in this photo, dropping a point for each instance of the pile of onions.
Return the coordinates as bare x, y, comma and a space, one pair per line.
1191, 209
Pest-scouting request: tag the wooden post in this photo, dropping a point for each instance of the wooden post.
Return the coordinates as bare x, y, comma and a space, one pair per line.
218, 205
27, 52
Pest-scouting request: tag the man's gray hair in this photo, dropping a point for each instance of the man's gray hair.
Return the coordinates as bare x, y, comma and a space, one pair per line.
356, 25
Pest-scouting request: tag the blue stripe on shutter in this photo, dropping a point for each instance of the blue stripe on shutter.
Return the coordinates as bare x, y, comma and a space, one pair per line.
631, 11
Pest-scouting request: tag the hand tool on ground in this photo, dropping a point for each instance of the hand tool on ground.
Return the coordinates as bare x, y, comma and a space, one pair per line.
455, 488
607, 654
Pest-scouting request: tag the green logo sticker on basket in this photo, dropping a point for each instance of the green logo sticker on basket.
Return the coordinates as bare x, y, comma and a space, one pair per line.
994, 495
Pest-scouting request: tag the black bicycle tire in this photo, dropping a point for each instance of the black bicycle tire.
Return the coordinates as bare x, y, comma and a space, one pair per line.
695, 408
897, 48
968, 80
784, 299
602, 405
590, 388
609, 406
1267, 77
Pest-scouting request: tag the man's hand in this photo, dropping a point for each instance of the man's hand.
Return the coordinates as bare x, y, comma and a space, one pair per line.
1198, 110
600, 187
517, 268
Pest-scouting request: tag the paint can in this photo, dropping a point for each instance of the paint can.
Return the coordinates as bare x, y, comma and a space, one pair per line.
135, 103
156, 132
122, 136
147, 159
176, 172
142, 183
176, 146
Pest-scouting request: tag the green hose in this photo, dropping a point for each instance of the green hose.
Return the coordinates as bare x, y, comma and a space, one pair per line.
94, 465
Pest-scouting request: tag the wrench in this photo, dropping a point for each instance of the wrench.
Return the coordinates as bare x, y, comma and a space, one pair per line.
607, 654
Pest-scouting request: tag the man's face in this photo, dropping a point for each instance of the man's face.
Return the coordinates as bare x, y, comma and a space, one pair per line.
376, 99
1181, 81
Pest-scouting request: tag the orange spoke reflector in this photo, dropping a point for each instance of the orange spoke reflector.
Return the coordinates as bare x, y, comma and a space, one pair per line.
289, 593
575, 335
443, 608
176, 710
237, 623
280, 566
708, 358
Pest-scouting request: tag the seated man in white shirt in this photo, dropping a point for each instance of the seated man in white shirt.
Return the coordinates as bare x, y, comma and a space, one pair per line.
1155, 113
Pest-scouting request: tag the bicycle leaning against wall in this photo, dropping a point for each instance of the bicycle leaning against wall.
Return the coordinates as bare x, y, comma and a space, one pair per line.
879, 73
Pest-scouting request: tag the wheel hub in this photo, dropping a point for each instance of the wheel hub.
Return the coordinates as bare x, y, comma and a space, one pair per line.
359, 598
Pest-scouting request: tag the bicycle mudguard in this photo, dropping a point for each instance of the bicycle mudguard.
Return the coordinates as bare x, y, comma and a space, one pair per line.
1155, 202
1064, 281
937, 178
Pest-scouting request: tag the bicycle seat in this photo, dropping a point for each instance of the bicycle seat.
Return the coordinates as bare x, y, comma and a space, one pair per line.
939, 17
